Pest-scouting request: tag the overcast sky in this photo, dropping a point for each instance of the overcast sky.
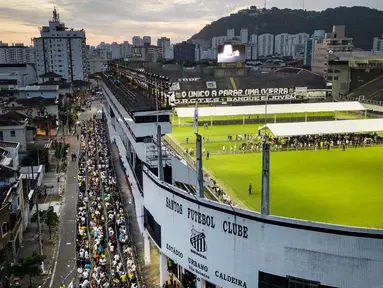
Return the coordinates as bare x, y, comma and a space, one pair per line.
119, 20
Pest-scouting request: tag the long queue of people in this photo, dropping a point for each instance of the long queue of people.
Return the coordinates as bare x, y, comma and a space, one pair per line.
103, 247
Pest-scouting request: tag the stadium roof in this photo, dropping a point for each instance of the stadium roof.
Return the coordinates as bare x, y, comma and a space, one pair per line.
271, 109
325, 127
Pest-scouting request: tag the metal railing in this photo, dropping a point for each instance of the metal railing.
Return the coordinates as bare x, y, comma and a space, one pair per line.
361, 100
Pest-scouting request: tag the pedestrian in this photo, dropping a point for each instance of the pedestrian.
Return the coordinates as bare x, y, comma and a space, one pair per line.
250, 187
207, 155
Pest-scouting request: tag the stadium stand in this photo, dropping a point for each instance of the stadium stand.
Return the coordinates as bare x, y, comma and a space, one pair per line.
255, 80
372, 90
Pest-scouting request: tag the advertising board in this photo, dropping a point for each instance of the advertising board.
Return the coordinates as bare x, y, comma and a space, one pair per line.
229, 249
230, 53
239, 95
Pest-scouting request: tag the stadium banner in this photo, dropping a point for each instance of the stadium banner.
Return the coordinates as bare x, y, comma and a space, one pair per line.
228, 248
246, 95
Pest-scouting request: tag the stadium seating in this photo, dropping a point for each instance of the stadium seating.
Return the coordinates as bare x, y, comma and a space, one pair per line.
255, 80
372, 90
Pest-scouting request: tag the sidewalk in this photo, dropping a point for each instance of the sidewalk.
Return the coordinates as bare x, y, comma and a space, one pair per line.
30, 242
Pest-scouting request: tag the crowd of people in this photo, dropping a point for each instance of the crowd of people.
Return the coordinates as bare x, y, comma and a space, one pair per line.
104, 250
252, 143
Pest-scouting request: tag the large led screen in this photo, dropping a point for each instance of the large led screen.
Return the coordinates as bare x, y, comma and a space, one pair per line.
229, 53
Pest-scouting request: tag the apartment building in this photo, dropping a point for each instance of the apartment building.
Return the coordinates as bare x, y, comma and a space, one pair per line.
377, 45
332, 42
244, 36
265, 44
61, 50
16, 54
167, 49
147, 40
137, 41
310, 44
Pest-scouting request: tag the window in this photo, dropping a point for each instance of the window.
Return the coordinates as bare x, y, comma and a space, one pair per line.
13, 133
4, 229
301, 283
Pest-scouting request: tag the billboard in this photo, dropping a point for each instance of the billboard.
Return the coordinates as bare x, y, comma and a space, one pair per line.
215, 96
230, 53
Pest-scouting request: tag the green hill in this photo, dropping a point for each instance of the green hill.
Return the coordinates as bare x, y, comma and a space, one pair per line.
362, 23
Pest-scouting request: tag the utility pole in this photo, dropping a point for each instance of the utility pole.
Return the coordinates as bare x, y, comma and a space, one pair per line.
37, 191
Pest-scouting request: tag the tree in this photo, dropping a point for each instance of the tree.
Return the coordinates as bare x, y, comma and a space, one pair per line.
51, 220
29, 266
37, 154
49, 217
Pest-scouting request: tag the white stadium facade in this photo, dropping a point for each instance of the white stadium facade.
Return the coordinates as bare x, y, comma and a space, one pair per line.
225, 246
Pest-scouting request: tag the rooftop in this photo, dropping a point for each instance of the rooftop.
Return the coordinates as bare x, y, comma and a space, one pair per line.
8, 82
12, 65
80, 83
61, 83
132, 99
325, 127
356, 55
254, 80
50, 75
12, 118
40, 88
36, 101
7, 172
6, 144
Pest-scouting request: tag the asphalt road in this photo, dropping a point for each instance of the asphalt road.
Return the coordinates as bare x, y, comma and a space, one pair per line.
64, 269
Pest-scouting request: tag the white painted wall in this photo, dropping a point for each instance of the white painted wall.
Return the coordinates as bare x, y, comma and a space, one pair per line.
332, 259
19, 136
182, 172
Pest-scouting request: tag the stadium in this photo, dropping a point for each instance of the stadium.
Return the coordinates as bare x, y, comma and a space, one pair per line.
289, 191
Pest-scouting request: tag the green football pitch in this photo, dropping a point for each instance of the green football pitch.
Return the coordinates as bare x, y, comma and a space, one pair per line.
338, 187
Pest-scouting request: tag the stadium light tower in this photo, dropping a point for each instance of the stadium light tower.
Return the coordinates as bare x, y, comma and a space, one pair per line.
265, 205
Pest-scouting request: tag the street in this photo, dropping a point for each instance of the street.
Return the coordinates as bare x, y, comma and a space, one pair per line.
64, 267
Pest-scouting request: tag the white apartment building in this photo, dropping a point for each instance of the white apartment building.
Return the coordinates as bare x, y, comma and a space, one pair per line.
147, 40
16, 54
377, 44
310, 45
252, 47
167, 49
220, 40
333, 42
283, 44
115, 49
244, 36
288, 45
104, 46
137, 41
61, 50
98, 61
126, 50
209, 54
230, 34
265, 44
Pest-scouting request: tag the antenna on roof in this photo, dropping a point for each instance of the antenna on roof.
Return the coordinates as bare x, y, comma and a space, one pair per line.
56, 16
265, 4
